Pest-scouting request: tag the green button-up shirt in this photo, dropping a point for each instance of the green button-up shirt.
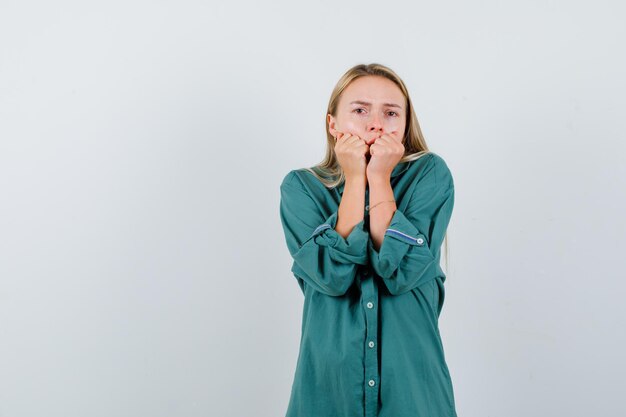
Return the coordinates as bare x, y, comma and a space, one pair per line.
370, 343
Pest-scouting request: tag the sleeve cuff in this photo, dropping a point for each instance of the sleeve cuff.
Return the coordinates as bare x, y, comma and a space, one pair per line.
352, 248
398, 239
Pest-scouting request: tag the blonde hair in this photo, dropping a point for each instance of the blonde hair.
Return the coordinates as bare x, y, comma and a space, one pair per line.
328, 171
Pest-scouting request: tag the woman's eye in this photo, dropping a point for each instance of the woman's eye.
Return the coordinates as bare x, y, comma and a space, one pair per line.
391, 113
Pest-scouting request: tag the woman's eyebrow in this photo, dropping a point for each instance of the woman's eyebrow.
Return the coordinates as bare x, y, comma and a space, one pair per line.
365, 103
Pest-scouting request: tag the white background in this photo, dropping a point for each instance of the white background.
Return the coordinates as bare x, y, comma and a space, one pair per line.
143, 269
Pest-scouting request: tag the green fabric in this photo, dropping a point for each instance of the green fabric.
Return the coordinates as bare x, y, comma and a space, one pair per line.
370, 343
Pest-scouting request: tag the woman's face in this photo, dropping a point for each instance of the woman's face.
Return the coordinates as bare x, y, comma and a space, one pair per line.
368, 107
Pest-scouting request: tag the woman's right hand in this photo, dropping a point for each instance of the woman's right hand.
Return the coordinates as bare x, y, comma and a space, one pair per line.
351, 153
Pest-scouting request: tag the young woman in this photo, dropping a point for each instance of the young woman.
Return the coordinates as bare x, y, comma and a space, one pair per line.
365, 228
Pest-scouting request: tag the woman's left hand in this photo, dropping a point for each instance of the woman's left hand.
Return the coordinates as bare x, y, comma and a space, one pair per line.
385, 153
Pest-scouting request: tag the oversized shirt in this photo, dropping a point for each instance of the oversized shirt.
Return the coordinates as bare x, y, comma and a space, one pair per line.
370, 344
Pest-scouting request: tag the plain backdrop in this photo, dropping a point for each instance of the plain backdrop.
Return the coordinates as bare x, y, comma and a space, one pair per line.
143, 268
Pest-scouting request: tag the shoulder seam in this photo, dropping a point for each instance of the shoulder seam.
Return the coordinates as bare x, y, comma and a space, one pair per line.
289, 178
443, 174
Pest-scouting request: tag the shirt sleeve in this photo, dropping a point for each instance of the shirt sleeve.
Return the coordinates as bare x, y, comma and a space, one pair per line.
323, 258
409, 254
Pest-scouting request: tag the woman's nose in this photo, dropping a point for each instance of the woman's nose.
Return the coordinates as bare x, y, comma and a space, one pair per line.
375, 123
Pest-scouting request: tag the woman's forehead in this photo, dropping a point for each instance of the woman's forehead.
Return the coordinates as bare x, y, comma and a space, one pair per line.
368, 91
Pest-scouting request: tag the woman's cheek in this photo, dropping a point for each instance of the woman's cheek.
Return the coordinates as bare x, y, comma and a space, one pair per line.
393, 125
353, 127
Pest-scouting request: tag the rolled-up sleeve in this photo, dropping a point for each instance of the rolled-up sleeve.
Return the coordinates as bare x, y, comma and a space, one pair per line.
409, 254
322, 257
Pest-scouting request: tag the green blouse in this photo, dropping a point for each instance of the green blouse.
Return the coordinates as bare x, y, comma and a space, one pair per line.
370, 344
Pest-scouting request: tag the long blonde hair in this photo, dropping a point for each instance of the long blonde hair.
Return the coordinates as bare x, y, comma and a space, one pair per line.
328, 171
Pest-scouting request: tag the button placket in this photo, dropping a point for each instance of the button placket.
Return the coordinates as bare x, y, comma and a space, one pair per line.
369, 297
369, 292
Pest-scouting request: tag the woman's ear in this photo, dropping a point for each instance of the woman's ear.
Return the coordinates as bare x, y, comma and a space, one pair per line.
331, 125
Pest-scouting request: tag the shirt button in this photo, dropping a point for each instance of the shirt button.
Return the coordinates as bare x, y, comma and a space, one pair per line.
420, 240
370, 304
372, 382
371, 344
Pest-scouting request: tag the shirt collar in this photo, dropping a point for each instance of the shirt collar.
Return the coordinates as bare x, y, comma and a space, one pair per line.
400, 168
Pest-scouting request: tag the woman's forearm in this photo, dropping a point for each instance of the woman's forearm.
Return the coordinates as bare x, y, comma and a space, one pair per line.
380, 216
352, 205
